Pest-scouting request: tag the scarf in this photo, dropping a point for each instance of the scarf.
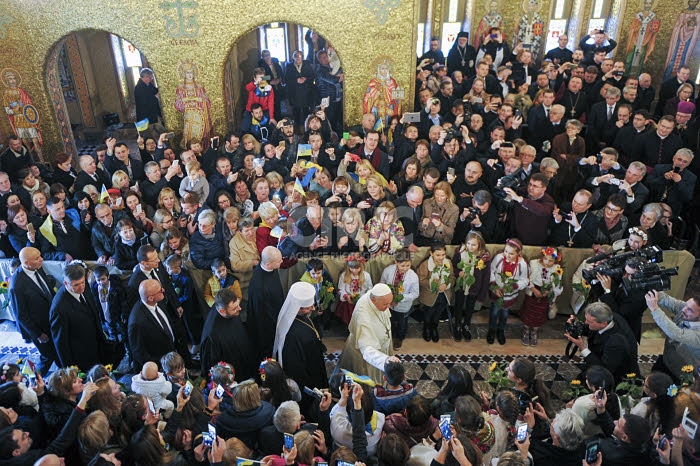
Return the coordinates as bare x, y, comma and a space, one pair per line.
129, 243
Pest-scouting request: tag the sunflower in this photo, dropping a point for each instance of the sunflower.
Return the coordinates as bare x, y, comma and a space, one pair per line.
687, 368
575, 382
559, 271
4, 285
493, 366
331, 289
509, 274
480, 265
108, 368
631, 375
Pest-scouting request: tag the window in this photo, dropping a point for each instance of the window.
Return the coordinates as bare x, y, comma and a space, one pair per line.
453, 16
423, 28
273, 37
558, 23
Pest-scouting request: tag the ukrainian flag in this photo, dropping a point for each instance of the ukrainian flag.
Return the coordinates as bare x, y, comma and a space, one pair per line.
142, 125
46, 229
297, 187
104, 195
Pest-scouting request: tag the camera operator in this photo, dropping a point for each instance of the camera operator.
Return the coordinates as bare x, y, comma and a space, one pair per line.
629, 304
530, 215
625, 441
481, 216
682, 329
673, 183
610, 341
574, 226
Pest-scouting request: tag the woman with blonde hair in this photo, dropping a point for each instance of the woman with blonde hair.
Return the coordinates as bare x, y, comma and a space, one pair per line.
120, 181
250, 144
363, 169
231, 216
167, 200
384, 231
244, 254
246, 416
352, 236
162, 221
439, 215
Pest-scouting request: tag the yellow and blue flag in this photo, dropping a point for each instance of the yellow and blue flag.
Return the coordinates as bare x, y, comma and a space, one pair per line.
104, 195
298, 187
142, 125
46, 229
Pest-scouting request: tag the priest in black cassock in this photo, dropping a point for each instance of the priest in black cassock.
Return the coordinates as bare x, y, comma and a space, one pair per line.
265, 298
224, 337
298, 345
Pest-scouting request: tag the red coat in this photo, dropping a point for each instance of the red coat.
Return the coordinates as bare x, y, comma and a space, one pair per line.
267, 102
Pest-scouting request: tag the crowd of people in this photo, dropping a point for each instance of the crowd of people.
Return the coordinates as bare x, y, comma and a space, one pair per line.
499, 151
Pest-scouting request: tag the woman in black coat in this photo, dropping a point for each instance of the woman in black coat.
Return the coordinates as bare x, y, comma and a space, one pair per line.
299, 76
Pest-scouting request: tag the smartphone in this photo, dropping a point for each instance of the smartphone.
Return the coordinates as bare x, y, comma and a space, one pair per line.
188, 388
527, 46
435, 215
30, 227
344, 463
321, 463
592, 452
215, 142
176, 162
169, 135
139, 209
451, 171
282, 144
32, 366
601, 392
518, 113
258, 163
325, 102
267, 78
662, 442
522, 433
348, 381
494, 36
288, 441
315, 393
118, 201
690, 426
209, 437
346, 136
445, 430
219, 391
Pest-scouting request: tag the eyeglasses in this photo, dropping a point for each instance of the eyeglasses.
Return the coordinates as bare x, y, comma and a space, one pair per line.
612, 209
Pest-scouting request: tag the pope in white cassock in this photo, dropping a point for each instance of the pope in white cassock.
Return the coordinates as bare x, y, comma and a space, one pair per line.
368, 347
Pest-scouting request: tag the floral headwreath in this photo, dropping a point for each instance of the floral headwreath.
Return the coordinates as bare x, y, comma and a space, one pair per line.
261, 369
355, 257
223, 365
550, 251
5, 368
639, 232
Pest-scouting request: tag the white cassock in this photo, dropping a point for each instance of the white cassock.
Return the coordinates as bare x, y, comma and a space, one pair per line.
369, 344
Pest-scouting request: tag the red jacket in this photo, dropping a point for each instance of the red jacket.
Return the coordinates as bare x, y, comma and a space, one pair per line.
267, 102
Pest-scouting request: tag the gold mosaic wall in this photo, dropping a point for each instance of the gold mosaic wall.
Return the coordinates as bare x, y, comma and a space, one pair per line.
167, 31
360, 30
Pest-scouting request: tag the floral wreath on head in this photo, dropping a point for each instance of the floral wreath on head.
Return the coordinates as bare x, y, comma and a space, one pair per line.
261, 369
551, 251
5, 368
223, 365
639, 232
355, 257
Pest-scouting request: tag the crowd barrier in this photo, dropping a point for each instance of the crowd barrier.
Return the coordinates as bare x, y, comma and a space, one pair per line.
571, 259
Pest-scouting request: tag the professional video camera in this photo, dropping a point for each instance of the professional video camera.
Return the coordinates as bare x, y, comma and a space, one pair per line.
613, 265
649, 277
508, 181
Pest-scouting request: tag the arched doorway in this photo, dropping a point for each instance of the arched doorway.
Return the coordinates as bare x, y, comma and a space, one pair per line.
281, 40
90, 76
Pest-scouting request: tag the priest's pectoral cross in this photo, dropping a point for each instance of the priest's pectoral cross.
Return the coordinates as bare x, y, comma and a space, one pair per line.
573, 112
463, 63
570, 242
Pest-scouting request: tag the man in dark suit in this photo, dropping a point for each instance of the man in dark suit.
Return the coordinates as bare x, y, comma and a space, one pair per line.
673, 183
371, 151
601, 121
611, 343
429, 117
150, 267
104, 232
151, 331
15, 158
118, 158
76, 327
90, 174
658, 146
409, 208
670, 87
31, 292
574, 225
539, 115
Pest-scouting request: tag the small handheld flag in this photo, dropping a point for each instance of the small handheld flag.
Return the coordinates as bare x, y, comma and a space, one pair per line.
298, 187
104, 195
142, 125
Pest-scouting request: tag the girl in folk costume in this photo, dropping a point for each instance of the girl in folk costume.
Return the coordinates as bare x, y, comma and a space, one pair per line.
404, 285
508, 277
472, 263
322, 282
545, 286
436, 279
353, 283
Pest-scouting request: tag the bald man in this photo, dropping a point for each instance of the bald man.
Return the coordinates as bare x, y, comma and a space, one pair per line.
265, 299
31, 293
151, 332
91, 174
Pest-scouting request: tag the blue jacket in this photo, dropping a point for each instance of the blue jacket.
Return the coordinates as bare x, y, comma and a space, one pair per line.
204, 251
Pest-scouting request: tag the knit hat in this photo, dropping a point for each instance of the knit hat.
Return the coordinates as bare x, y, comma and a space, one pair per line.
463, 34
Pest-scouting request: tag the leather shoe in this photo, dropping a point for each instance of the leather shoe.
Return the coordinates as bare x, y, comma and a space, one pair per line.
466, 333
435, 334
501, 337
490, 336
457, 333
426, 332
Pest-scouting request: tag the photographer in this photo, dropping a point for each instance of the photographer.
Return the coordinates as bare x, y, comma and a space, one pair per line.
673, 183
610, 341
482, 216
682, 329
625, 441
628, 303
574, 225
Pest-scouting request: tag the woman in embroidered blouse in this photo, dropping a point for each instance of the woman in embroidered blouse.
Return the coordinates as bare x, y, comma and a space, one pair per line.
353, 282
436, 279
385, 232
472, 254
439, 215
507, 268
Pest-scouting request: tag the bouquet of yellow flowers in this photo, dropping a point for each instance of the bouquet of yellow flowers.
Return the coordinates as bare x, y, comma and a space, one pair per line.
508, 285
686, 375
555, 283
4, 290
498, 376
584, 288
468, 267
327, 294
575, 390
397, 291
631, 386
